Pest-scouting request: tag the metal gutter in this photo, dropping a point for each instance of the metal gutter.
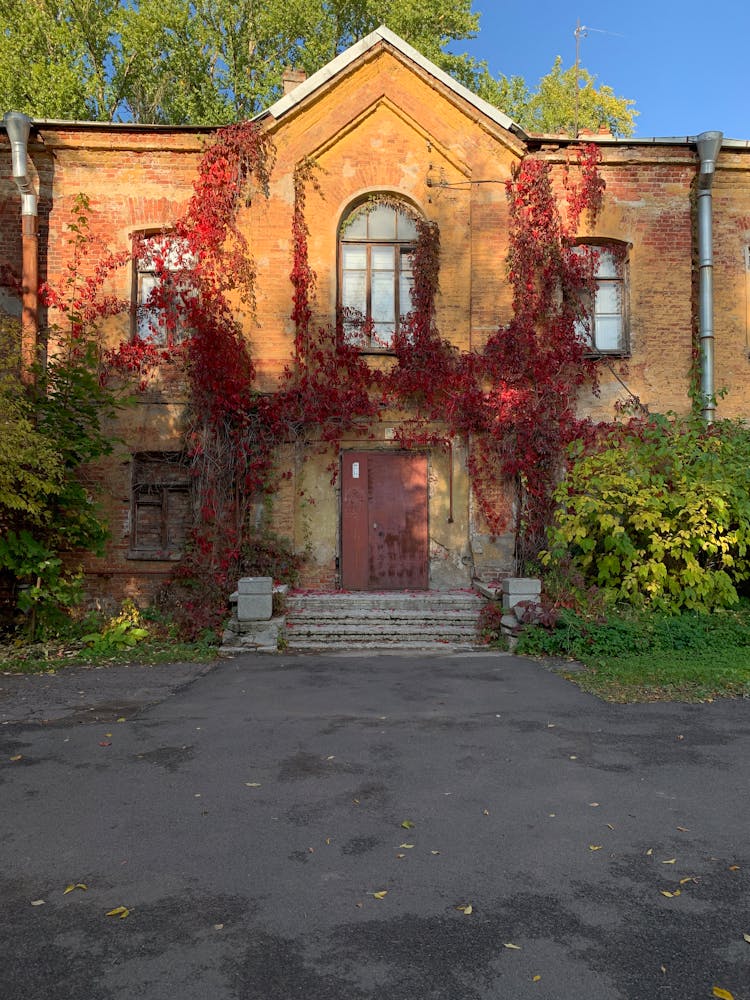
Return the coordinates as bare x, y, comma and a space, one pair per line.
18, 127
709, 144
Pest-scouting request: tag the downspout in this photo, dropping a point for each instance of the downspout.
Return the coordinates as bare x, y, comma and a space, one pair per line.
709, 144
18, 127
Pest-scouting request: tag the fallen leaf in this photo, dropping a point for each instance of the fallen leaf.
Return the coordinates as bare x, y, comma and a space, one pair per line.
72, 886
550, 725
122, 719
734, 868
509, 944
594, 804
650, 851
688, 878
355, 801
328, 840
18, 756
38, 902
552, 815
486, 812
108, 735
683, 829
332, 757
724, 994
573, 756
610, 826
670, 895
535, 979
595, 847
253, 784
406, 847
407, 824
105, 743
671, 861
218, 927
434, 852
465, 908
400, 856
380, 895
359, 905
119, 911
663, 969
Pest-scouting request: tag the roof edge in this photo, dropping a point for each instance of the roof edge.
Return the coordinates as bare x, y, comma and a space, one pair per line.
364, 45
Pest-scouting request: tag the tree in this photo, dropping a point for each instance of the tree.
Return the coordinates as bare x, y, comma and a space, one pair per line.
210, 62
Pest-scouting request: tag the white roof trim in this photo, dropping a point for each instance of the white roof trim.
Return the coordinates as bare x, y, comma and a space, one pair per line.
348, 56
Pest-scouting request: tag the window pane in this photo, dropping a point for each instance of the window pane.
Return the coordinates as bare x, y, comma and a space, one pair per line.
355, 226
381, 291
382, 258
583, 330
382, 223
354, 256
609, 297
609, 333
607, 265
407, 229
404, 291
382, 336
354, 290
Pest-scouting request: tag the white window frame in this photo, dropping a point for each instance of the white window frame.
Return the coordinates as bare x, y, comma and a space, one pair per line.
611, 288
360, 324
164, 258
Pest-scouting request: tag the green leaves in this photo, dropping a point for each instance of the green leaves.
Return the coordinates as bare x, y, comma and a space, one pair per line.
658, 514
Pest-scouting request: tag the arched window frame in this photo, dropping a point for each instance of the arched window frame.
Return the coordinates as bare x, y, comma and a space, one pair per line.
367, 289
599, 328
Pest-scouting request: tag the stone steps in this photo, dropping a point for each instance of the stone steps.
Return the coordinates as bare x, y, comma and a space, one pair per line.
420, 620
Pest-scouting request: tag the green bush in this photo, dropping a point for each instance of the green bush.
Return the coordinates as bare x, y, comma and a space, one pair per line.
633, 634
658, 514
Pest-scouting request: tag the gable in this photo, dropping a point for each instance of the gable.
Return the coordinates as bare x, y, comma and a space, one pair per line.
329, 101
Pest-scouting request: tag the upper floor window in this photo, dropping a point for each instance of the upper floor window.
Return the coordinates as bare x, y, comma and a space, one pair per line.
376, 244
604, 325
162, 288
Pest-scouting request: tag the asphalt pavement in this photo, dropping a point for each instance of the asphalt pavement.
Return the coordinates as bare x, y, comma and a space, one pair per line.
346, 827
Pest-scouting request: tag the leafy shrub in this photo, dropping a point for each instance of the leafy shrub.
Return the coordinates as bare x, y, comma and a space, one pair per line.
658, 514
121, 632
632, 633
488, 625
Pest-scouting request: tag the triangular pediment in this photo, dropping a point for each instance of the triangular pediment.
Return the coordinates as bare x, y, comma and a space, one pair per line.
383, 39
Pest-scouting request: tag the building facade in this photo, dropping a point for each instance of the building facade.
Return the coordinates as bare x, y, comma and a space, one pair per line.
389, 131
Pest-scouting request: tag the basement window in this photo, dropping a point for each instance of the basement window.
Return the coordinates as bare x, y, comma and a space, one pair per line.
161, 511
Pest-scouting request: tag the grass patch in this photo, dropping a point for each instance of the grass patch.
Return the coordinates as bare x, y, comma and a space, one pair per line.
46, 657
652, 657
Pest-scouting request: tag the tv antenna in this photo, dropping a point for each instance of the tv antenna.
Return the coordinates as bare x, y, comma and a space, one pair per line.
580, 32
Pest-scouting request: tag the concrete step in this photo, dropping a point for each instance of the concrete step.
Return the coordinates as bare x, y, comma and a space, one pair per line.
420, 620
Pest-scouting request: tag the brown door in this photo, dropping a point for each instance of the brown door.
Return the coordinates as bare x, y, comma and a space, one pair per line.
384, 521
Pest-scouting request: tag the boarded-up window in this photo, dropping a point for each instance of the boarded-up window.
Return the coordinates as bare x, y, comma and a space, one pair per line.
161, 509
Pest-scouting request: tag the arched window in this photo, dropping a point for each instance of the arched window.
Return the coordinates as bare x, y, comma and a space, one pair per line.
603, 327
376, 244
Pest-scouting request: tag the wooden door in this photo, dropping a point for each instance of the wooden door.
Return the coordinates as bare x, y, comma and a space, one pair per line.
384, 542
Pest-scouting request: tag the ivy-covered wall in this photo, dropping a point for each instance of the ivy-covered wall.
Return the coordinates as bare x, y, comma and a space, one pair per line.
384, 127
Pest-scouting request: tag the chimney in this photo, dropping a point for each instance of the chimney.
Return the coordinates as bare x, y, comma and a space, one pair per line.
291, 78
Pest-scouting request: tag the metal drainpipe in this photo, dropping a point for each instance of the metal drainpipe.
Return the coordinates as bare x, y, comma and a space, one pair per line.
709, 144
18, 127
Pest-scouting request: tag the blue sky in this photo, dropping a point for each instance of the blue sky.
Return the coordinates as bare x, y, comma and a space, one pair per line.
686, 66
